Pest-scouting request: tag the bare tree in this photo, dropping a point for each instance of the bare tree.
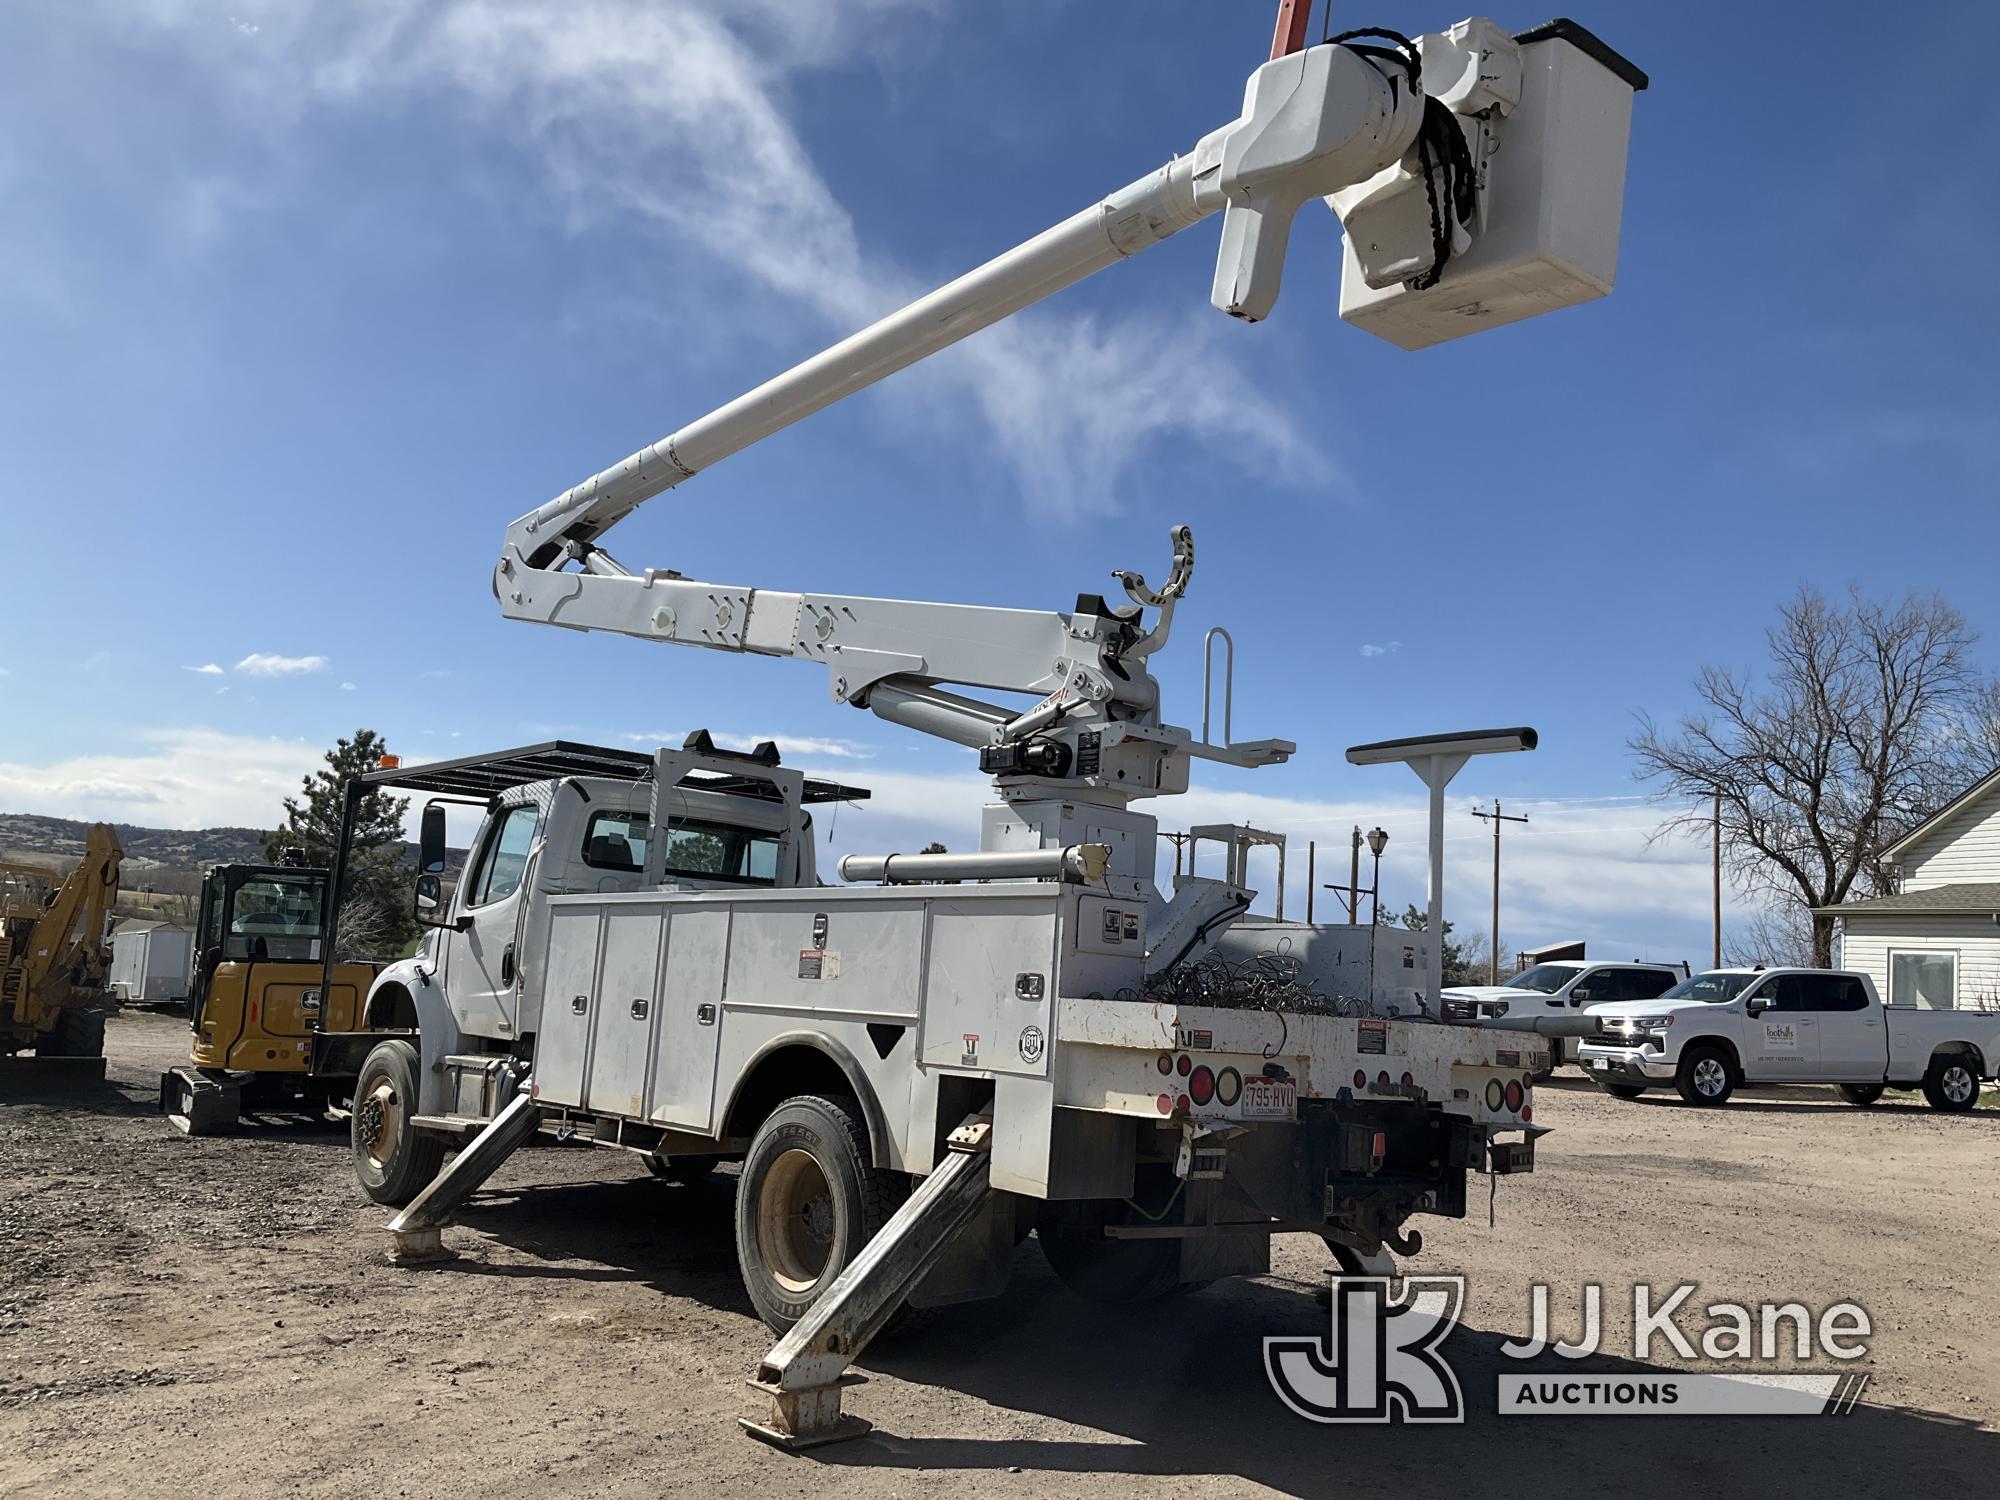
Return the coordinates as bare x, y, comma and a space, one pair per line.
365, 931
1870, 717
1775, 935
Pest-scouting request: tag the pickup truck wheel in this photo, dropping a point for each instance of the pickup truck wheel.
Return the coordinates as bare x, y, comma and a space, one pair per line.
1952, 1084
1102, 1269
1623, 1090
807, 1202
1704, 1077
393, 1160
1860, 1095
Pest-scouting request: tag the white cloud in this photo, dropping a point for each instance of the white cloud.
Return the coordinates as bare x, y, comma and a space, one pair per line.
788, 744
264, 664
177, 778
1373, 650
206, 669
347, 687
674, 117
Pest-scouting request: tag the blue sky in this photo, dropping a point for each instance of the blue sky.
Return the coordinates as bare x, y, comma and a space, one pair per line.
301, 303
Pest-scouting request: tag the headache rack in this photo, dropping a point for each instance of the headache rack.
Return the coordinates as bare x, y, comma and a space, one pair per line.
481, 778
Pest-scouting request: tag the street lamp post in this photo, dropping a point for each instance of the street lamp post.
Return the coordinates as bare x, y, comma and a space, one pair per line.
1378, 840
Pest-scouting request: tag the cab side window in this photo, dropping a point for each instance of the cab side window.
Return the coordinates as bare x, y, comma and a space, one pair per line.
1650, 984
1822, 992
506, 856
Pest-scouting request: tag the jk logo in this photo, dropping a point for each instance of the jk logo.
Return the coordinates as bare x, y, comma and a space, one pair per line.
1381, 1356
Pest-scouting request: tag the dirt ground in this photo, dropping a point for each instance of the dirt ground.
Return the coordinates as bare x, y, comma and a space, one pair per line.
215, 1318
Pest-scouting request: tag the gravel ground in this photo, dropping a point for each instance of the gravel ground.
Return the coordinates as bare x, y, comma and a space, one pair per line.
215, 1317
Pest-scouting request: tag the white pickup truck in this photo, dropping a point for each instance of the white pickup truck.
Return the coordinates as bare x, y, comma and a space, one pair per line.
1731, 1026
1550, 999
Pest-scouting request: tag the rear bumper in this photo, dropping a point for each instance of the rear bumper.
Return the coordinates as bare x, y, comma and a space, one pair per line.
1624, 1064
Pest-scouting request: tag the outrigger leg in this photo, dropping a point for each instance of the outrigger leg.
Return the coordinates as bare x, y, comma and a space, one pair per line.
804, 1373
416, 1234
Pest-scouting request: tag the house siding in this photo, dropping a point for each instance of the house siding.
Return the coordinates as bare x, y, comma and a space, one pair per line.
1963, 848
1866, 942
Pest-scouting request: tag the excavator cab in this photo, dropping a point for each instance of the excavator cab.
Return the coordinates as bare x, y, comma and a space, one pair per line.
260, 986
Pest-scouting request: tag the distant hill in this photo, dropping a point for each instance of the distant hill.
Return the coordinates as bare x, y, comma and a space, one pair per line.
38, 839
35, 839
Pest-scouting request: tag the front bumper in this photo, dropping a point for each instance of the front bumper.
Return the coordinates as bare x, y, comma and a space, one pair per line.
1624, 1064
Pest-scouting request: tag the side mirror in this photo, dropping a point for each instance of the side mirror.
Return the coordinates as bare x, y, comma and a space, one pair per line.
430, 841
428, 908
1580, 997
1756, 1005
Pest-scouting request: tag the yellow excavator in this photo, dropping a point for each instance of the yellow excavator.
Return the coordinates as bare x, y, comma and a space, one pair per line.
262, 986
54, 960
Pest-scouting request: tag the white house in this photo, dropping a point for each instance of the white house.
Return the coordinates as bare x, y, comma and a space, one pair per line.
1936, 942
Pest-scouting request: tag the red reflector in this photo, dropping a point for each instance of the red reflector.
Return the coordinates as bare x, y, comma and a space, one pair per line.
1381, 1145
1514, 1095
1180, 1101
1182, 1064
1201, 1085
1164, 1104
1165, 1064
1361, 1078
1527, 1112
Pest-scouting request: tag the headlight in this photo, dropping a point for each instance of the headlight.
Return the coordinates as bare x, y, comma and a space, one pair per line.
1654, 1023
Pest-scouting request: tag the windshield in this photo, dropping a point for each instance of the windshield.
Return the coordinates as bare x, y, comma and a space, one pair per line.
1713, 988
1544, 979
275, 917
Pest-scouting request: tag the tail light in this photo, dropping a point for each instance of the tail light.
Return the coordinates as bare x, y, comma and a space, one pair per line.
1201, 1085
1361, 1078
1228, 1087
1182, 1064
1165, 1063
1515, 1095
1496, 1094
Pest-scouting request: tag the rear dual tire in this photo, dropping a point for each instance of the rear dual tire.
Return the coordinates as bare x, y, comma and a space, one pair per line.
807, 1201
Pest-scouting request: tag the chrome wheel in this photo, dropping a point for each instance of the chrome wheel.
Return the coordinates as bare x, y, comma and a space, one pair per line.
1710, 1077
1958, 1083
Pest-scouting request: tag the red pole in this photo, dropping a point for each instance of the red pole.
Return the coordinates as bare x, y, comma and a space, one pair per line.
1290, 37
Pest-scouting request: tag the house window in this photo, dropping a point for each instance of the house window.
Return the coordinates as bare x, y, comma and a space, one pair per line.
1928, 980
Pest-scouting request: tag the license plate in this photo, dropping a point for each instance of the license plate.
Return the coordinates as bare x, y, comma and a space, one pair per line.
1270, 1099
1602, 1064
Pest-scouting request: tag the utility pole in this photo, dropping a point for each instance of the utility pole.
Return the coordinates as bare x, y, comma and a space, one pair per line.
1715, 846
1498, 817
1354, 881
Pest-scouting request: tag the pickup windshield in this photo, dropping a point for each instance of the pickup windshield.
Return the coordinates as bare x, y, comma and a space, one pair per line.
1544, 979
1713, 988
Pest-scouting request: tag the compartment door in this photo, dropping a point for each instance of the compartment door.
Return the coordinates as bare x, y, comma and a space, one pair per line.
690, 1017
627, 982
568, 983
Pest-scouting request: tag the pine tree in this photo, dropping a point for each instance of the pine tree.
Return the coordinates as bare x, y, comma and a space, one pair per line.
1459, 967
376, 893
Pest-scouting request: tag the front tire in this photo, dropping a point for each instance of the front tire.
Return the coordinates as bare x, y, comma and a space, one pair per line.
1705, 1077
393, 1160
1860, 1095
807, 1201
1952, 1084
